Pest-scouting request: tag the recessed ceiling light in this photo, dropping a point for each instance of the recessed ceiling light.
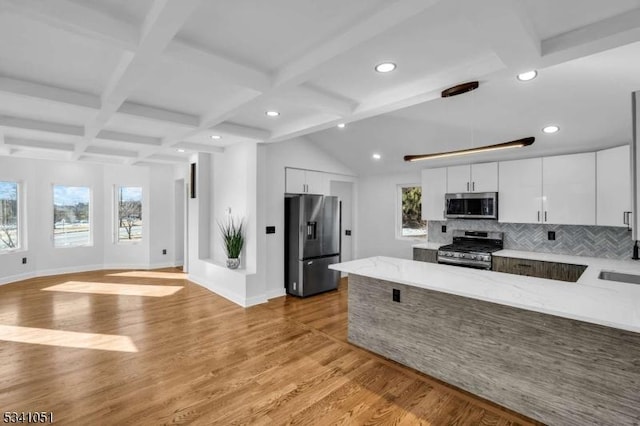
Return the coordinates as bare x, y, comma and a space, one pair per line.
376, 156
216, 137
551, 129
272, 113
386, 67
527, 76
342, 125
180, 150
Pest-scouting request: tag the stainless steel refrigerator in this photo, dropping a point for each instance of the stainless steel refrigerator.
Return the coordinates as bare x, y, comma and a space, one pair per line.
312, 243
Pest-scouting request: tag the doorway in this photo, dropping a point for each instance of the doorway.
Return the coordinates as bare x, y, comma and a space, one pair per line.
344, 192
180, 226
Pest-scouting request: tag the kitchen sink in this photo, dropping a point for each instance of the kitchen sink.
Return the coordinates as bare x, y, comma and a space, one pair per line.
619, 276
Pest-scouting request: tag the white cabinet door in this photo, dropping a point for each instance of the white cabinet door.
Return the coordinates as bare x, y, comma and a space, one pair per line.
613, 189
316, 182
434, 186
520, 196
459, 179
295, 181
569, 189
484, 177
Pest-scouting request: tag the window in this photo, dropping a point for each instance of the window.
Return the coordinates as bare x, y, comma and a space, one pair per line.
9, 216
71, 216
129, 214
410, 215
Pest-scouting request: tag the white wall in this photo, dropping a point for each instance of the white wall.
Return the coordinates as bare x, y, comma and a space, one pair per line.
299, 153
377, 215
227, 180
38, 176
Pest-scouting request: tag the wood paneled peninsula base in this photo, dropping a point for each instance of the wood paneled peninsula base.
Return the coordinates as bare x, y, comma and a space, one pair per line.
557, 370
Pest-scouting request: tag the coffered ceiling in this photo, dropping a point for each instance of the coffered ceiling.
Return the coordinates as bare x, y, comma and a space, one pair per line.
141, 81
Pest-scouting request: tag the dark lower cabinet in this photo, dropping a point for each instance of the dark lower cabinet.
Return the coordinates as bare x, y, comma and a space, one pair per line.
537, 268
425, 255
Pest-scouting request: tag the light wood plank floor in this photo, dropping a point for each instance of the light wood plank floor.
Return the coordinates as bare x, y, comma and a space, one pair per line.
118, 347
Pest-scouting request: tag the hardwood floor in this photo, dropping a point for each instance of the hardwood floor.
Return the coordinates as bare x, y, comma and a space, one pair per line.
127, 347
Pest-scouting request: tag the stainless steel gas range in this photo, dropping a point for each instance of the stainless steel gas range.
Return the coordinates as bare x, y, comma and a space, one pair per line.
471, 248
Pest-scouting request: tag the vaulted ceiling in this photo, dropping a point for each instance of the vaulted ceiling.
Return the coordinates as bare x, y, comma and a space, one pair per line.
151, 81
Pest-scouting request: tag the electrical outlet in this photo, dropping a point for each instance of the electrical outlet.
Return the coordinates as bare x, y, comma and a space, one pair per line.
347, 232
24, 260
164, 251
551, 235
444, 228
396, 295
271, 230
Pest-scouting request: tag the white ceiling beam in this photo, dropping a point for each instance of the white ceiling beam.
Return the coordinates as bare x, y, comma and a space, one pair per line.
99, 159
505, 26
35, 90
603, 35
242, 131
223, 68
318, 99
385, 17
165, 158
129, 138
111, 152
43, 126
161, 25
30, 143
78, 19
159, 114
199, 147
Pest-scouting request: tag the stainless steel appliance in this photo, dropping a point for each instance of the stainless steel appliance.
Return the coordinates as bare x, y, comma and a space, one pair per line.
312, 243
471, 205
471, 248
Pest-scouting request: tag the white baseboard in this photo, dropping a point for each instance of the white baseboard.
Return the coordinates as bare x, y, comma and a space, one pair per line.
276, 293
68, 270
221, 291
18, 277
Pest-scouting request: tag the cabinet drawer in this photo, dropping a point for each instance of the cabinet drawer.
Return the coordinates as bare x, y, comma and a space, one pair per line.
536, 268
425, 255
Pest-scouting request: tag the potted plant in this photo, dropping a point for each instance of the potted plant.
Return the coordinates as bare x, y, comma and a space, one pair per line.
233, 240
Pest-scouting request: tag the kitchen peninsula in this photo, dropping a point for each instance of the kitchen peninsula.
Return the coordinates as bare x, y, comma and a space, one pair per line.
562, 353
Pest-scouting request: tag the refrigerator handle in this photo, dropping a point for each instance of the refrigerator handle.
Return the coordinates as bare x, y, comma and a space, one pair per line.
312, 230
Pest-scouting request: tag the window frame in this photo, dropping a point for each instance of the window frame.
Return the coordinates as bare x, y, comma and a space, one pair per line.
398, 215
90, 243
116, 215
20, 225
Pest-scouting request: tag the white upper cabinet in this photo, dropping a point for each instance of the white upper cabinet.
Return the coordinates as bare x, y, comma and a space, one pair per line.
520, 196
434, 186
298, 181
613, 187
481, 177
554, 190
569, 189
295, 181
459, 179
484, 177
316, 182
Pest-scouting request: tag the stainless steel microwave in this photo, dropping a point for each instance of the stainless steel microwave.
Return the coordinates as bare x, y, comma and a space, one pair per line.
471, 205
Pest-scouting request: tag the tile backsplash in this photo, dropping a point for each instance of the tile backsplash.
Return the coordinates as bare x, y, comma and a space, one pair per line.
595, 241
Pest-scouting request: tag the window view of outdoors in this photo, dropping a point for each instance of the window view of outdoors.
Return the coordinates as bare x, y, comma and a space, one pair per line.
71, 218
412, 223
129, 214
8, 215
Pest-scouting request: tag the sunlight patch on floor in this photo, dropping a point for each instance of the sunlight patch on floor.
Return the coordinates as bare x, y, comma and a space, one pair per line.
67, 339
116, 289
150, 274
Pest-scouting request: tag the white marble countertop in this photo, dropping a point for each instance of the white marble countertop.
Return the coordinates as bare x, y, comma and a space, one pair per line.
591, 299
428, 245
